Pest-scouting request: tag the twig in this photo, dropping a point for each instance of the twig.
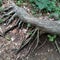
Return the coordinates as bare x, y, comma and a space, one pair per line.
57, 46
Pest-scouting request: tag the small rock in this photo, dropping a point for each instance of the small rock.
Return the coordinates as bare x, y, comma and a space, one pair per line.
5, 24
13, 38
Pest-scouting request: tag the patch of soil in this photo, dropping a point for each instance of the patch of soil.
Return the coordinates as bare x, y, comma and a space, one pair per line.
12, 41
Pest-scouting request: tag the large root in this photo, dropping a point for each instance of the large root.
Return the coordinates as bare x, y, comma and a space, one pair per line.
46, 25
13, 11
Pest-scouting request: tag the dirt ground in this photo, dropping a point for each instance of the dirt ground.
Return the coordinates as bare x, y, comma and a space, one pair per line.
12, 41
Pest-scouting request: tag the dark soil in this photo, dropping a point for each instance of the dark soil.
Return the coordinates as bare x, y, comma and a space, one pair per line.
13, 40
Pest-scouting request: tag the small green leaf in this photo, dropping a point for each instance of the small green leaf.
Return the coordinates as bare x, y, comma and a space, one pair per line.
51, 38
18, 3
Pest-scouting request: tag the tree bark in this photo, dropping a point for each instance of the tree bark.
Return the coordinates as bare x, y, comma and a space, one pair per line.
45, 25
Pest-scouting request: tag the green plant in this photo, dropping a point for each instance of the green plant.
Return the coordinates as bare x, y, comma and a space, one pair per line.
51, 38
55, 15
0, 2
47, 5
51, 6
19, 2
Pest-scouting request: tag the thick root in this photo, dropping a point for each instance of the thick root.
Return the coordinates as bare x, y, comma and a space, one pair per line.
26, 42
11, 28
14, 11
30, 49
57, 46
37, 41
9, 13
11, 19
19, 25
8, 8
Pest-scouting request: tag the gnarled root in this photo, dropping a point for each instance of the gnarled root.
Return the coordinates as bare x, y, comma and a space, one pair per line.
48, 26
8, 17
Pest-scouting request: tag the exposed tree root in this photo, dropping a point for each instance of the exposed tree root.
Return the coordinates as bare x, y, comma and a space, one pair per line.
4, 33
26, 41
48, 26
57, 46
18, 24
37, 40
10, 7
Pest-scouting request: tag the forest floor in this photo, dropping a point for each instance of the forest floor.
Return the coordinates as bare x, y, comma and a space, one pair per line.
13, 40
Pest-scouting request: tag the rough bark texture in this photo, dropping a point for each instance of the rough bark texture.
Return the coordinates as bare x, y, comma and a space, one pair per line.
46, 25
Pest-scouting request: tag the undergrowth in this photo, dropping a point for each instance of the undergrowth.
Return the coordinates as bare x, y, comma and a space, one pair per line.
44, 6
